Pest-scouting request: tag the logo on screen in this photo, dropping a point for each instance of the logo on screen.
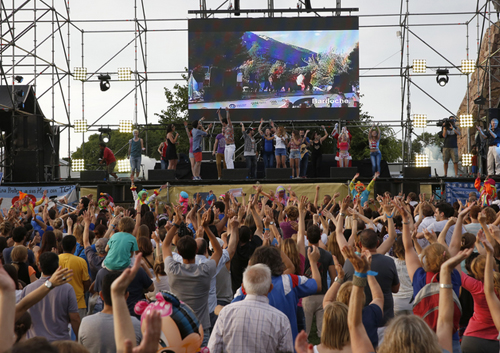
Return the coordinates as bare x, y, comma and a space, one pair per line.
232, 106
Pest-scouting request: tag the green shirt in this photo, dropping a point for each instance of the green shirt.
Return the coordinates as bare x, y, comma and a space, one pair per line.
121, 246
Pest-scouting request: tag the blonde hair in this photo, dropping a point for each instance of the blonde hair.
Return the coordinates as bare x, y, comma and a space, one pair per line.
289, 247
78, 233
335, 333
344, 293
409, 333
490, 214
292, 213
333, 247
477, 267
19, 253
434, 256
281, 131
69, 347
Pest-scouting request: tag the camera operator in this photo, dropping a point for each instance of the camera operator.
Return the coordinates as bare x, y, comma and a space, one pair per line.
450, 148
493, 136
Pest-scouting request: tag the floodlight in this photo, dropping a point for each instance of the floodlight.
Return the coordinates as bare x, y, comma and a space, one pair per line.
125, 126
105, 134
123, 166
77, 165
19, 79
81, 125
104, 82
421, 160
419, 66
80, 73
442, 77
124, 74
419, 120
467, 160
468, 66
466, 120
19, 93
19, 97
480, 100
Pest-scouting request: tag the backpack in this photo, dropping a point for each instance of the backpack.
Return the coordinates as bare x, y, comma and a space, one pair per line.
426, 303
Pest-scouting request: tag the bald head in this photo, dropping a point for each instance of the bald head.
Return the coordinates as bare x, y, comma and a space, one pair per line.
257, 280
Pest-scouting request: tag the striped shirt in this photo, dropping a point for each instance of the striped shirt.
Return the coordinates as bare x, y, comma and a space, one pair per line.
251, 325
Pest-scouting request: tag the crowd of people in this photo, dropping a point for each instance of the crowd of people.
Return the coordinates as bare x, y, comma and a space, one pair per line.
277, 146
251, 274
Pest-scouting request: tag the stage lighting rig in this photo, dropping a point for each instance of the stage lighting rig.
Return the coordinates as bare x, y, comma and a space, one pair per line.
104, 82
80, 73
19, 79
124, 74
419, 66
442, 77
125, 126
81, 126
468, 66
123, 166
467, 160
77, 165
466, 120
422, 160
105, 134
480, 100
237, 7
419, 120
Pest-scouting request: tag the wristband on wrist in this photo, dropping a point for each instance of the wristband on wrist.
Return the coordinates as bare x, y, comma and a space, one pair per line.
359, 281
176, 225
386, 215
364, 275
446, 286
266, 228
339, 280
406, 222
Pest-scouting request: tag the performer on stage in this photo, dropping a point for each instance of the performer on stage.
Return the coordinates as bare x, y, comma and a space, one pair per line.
375, 154
488, 190
190, 137
218, 152
109, 158
249, 151
359, 190
493, 136
294, 144
281, 144
343, 144
267, 154
304, 153
228, 131
317, 152
135, 148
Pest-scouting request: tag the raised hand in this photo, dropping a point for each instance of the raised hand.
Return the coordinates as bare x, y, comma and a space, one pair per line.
339, 268
360, 263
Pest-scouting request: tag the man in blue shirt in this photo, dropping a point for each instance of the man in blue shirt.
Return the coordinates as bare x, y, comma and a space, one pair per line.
450, 148
198, 132
493, 136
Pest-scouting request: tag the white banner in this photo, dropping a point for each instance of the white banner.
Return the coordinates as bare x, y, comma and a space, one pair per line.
10, 194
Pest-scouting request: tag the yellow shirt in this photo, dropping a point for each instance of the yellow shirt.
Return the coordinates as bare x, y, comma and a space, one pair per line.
80, 274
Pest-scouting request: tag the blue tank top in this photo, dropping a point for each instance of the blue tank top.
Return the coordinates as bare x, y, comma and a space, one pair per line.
268, 145
135, 148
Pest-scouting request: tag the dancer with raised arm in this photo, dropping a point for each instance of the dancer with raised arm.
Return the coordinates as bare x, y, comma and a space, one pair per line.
228, 131
190, 137
375, 154
343, 144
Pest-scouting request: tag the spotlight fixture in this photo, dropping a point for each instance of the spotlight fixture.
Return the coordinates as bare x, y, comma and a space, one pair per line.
125, 126
442, 77
419, 120
422, 160
19, 98
19, 79
19, 93
419, 66
123, 166
480, 100
81, 126
104, 82
80, 73
467, 160
77, 165
105, 134
124, 74
466, 120
468, 66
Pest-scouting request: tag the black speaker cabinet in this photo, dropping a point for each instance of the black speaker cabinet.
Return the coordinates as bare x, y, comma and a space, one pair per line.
115, 190
234, 174
162, 175
343, 173
278, 173
411, 186
417, 172
93, 175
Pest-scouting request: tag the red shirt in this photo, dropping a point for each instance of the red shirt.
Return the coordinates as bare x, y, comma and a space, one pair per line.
481, 324
108, 156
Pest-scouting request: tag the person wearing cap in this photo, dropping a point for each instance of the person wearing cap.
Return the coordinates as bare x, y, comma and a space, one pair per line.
249, 151
184, 201
493, 137
488, 190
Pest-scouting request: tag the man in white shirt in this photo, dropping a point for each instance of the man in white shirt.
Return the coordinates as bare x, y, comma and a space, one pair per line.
442, 213
252, 325
474, 226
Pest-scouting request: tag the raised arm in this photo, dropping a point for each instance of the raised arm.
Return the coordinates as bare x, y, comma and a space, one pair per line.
339, 231
316, 196
325, 136
301, 233
167, 243
314, 255
87, 217
331, 294
489, 288
217, 254
7, 310
391, 229
456, 238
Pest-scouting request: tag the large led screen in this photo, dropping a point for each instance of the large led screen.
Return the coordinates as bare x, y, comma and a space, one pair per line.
274, 68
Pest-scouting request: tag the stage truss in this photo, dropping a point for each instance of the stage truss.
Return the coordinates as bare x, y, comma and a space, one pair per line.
37, 38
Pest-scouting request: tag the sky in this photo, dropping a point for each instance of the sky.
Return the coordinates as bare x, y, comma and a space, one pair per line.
101, 46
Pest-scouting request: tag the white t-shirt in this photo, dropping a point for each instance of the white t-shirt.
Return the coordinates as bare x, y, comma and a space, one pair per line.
280, 142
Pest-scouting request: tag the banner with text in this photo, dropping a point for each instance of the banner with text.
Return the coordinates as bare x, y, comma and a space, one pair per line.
459, 191
10, 194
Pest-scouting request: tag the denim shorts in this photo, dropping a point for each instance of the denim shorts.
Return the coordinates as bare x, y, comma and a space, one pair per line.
135, 164
191, 155
280, 152
294, 154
